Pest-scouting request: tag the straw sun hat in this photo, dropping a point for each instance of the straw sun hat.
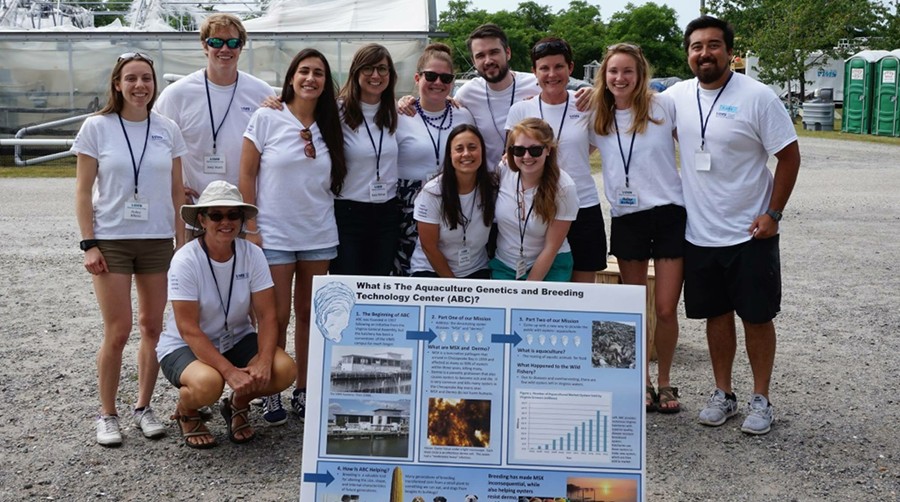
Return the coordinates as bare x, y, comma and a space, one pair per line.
217, 194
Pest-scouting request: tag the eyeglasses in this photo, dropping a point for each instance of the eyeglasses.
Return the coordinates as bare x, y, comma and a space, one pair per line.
310, 148
231, 215
431, 76
218, 43
552, 47
533, 150
368, 70
140, 56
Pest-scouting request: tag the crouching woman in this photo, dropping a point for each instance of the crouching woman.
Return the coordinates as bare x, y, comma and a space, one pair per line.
214, 282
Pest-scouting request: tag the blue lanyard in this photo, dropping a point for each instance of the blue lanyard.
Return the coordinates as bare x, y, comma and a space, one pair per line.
212, 122
625, 162
377, 150
512, 99
700, 108
226, 307
561, 121
522, 224
136, 167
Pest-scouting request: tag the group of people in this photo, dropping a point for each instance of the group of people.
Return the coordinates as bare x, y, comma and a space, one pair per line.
494, 184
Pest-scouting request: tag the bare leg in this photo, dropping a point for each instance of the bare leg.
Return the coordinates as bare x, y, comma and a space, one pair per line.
635, 272
151, 293
584, 276
669, 278
302, 298
114, 296
282, 277
760, 342
201, 385
722, 342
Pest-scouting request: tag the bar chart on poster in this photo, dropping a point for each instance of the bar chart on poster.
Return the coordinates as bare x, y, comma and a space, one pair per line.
563, 426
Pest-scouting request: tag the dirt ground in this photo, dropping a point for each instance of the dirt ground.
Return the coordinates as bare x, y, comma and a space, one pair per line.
836, 408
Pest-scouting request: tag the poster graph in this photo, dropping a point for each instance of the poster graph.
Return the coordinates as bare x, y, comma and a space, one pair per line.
556, 426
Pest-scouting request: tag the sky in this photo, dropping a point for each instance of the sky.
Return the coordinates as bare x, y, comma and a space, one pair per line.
685, 9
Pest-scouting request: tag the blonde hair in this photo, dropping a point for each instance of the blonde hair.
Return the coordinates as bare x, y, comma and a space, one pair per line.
435, 51
224, 21
548, 187
605, 104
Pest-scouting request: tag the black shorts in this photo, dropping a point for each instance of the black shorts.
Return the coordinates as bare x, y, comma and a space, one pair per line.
745, 278
587, 238
655, 233
175, 362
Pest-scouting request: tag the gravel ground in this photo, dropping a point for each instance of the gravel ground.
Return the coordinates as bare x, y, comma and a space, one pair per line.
832, 388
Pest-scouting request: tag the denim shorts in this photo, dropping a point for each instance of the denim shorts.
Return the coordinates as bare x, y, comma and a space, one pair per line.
277, 257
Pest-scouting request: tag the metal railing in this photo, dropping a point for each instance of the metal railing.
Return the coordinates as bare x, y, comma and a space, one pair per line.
21, 141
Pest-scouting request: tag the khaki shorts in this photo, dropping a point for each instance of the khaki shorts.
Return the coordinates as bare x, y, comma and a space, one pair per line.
137, 256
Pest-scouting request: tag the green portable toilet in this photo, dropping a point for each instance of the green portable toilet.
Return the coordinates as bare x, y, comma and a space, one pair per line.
859, 97
885, 116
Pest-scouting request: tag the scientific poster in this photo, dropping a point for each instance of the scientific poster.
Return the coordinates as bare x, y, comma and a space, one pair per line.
435, 390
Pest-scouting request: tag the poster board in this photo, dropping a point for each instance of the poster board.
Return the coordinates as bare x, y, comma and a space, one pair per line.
500, 390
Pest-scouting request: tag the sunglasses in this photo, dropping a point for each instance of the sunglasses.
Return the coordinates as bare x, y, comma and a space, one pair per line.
140, 56
550, 48
310, 148
431, 76
369, 70
218, 43
519, 150
231, 215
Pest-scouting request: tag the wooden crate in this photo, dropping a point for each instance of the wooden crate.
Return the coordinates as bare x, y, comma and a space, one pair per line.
611, 276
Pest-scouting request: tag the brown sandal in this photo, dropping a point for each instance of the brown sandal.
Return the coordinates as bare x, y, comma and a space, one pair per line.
650, 399
199, 429
668, 395
229, 413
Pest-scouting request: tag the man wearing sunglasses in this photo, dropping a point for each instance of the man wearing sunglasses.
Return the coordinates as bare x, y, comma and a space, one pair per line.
212, 106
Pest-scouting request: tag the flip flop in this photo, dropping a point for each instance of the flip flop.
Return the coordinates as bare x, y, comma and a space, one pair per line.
194, 431
228, 413
654, 398
668, 395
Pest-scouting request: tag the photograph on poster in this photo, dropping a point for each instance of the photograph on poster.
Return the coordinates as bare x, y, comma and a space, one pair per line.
614, 344
368, 427
459, 422
373, 370
608, 489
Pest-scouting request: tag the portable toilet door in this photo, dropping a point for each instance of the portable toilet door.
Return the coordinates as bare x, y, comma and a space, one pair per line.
884, 116
859, 72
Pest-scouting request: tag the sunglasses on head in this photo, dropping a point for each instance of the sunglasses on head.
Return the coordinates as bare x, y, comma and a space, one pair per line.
139, 56
549, 48
231, 215
310, 148
431, 76
533, 150
218, 43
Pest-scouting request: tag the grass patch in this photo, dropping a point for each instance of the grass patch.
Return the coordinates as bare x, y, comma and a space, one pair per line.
60, 168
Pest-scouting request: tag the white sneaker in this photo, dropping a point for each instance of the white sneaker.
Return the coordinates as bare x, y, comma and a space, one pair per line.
147, 422
759, 417
719, 408
108, 432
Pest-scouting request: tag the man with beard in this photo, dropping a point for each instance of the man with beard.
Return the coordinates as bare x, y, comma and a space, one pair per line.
728, 126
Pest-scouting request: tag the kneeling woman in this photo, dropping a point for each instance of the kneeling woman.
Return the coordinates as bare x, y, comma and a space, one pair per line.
454, 212
209, 341
535, 208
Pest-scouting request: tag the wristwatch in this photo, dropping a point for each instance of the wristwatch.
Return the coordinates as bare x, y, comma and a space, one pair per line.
88, 244
775, 215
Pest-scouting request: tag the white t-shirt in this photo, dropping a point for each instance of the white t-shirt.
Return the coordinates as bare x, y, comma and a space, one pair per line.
510, 225
190, 279
102, 137
360, 154
418, 142
652, 173
574, 142
185, 102
749, 123
450, 242
490, 109
293, 191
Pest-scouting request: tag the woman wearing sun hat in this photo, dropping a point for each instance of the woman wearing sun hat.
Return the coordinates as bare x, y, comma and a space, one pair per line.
209, 341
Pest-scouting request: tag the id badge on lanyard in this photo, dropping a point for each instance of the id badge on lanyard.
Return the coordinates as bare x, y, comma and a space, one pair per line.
136, 210
464, 257
214, 164
378, 191
626, 197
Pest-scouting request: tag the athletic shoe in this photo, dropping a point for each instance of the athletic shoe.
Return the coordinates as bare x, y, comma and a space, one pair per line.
146, 421
719, 408
760, 415
273, 411
108, 432
298, 404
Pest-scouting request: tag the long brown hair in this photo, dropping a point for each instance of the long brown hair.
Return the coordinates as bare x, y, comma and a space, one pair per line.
485, 183
548, 188
386, 117
115, 101
604, 102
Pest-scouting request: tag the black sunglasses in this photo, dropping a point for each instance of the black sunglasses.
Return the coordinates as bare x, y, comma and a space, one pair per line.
140, 56
550, 48
533, 150
231, 215
431, 76
218, 43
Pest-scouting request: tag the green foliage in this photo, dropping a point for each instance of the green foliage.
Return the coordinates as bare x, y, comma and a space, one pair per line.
655, 28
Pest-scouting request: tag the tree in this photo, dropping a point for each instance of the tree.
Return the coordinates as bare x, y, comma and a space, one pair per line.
582, 27
655, 28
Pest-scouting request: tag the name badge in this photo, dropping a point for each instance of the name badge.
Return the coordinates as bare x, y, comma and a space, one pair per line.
521, 268
702, 160
214, 164
464, 257
136, 210
626, 197
378, 191
226, 342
